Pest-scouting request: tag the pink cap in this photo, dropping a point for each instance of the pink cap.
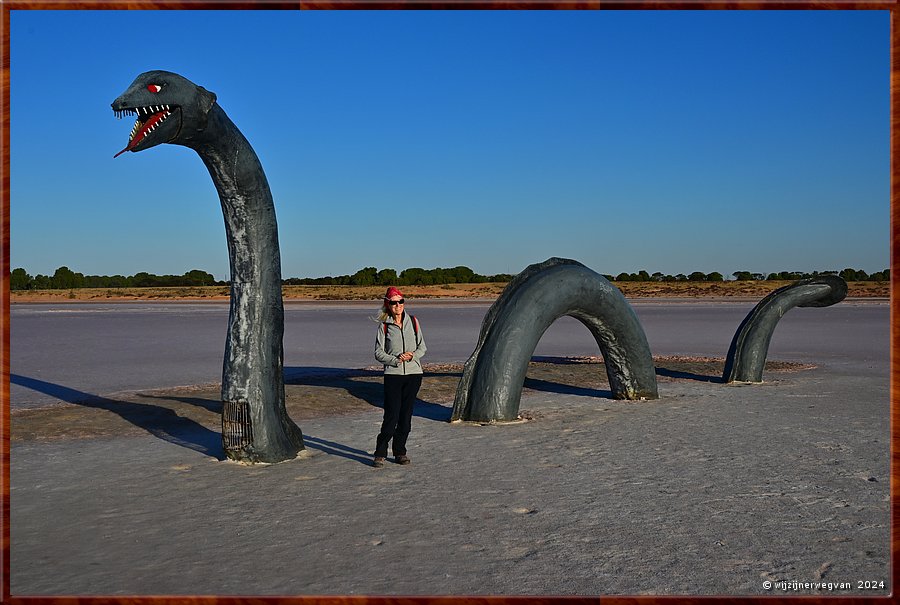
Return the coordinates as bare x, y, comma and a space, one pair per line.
392, 291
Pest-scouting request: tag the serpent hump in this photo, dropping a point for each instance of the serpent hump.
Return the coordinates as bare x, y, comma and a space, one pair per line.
750, 345
492, 380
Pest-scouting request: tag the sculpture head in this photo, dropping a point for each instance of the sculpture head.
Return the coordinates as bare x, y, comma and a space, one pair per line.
169, 109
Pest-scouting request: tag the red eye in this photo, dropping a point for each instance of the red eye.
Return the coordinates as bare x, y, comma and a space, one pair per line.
154, 88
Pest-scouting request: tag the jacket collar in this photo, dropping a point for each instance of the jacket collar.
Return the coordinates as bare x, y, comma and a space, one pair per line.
403, 320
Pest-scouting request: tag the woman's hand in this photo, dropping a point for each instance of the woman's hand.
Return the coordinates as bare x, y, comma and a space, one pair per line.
405, 356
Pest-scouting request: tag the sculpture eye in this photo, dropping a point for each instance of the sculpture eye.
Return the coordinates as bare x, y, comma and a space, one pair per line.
154, 88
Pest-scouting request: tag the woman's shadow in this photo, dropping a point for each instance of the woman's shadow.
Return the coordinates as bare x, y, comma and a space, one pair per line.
157, 420
337, 449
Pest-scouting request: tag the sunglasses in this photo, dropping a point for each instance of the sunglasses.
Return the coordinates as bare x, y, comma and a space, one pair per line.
396, 302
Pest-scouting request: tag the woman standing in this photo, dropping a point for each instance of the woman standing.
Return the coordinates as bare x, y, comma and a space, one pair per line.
399, 345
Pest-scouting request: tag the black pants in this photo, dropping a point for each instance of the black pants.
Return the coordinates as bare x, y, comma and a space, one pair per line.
399, 396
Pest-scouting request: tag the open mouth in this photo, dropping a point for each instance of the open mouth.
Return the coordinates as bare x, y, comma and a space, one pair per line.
148, 120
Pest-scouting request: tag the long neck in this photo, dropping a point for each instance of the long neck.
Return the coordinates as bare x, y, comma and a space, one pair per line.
253, 372
247, 206
254, 350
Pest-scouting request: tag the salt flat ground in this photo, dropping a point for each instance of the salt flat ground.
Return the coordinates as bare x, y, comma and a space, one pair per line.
100, 349
712, 489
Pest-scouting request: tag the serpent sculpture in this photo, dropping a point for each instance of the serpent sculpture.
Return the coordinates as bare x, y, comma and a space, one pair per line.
491, 384
492, 379
750, 345
255, 424
171, 109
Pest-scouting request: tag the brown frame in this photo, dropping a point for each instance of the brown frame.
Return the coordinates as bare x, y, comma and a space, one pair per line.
7, 5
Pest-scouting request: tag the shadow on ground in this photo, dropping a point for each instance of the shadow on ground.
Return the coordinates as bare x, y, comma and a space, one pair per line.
191, 416
683, 375
159, 421
338, 449
366, 385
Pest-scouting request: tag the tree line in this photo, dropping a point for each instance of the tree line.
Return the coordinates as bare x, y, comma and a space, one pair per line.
414, 276
847, 274
66, 279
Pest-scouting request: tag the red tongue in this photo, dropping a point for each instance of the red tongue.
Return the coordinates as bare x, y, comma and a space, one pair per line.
139, 136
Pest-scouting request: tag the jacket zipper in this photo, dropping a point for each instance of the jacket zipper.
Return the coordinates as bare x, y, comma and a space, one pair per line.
403, 341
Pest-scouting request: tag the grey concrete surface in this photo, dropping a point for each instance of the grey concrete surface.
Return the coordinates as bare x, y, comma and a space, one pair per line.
713, 489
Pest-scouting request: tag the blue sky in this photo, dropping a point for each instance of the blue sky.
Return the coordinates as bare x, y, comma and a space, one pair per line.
627, 140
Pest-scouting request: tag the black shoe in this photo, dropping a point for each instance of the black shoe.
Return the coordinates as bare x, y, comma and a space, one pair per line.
402, 459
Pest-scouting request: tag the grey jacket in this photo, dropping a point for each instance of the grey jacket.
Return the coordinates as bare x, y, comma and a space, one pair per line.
399, 340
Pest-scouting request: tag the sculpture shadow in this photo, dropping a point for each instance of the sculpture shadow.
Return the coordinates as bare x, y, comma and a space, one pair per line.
688, 375
432, 411
560, 388
212, 405
569, 389
338, 378
159, 421
370, 391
